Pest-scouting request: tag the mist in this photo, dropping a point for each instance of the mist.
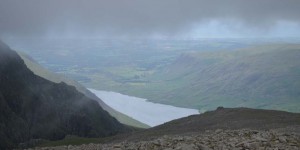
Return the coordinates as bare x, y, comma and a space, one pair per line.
151, 18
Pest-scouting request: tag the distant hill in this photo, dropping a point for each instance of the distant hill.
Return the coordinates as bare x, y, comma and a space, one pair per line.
39, 70
34, 108
258, 77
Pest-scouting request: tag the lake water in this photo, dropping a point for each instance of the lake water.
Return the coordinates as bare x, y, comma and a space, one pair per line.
152, 114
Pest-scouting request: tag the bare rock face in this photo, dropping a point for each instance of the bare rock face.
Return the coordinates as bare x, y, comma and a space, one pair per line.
210, 140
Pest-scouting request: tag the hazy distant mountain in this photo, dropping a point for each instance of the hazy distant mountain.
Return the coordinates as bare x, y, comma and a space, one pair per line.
57, 78
258, 77
33, 108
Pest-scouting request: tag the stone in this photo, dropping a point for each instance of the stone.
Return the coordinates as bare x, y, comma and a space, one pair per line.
282, 139
70, 147
203, 147
218, 131
261, 139
184, 146
117, 146
156, 142
254, 145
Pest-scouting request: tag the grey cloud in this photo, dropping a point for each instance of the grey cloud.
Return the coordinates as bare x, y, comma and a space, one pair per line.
39, 17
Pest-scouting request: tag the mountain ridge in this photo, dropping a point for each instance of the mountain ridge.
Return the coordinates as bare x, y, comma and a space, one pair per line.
35, 108
39, 70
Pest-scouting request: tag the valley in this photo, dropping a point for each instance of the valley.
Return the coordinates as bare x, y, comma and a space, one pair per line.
149, 75
222, 77
258, 77
199, 73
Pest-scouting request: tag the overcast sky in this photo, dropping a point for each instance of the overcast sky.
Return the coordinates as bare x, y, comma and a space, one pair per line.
142, 18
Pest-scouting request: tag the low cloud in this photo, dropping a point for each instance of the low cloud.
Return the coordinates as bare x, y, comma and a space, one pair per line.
138, 17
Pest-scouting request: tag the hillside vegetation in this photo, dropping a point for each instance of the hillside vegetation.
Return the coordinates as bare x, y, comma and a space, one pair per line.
57, 78
259, 77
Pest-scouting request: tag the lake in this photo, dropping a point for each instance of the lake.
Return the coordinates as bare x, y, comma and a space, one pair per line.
152, 114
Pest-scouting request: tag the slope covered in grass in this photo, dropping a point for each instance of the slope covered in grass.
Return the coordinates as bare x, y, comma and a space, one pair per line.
57, 78
32, 107
259, 77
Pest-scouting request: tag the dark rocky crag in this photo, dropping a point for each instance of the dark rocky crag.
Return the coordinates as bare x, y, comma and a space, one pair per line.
34, 108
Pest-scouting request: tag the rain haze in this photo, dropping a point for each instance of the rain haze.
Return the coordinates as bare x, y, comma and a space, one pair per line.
150, 18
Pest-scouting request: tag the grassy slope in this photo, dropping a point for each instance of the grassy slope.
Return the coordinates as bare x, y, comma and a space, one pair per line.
263, 77
40, 71
259, 77
35, 108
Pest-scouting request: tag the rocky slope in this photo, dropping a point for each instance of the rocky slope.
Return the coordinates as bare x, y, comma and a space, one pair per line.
210, 140
34, 108
224, 128
222, 118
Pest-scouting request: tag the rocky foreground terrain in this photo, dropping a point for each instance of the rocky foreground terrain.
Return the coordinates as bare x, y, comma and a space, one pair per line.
284, 138
222, 129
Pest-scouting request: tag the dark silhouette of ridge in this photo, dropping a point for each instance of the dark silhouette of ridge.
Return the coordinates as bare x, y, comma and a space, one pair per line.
34, 108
